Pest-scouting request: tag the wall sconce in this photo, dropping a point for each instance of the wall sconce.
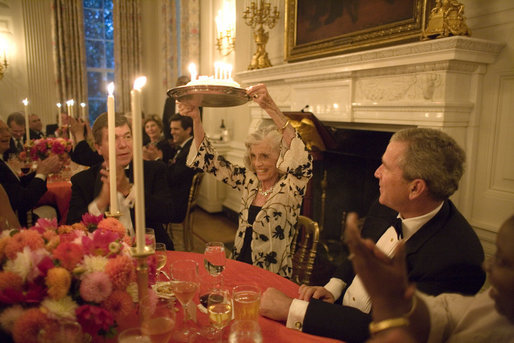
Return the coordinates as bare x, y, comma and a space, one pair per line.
226, 28
4, 51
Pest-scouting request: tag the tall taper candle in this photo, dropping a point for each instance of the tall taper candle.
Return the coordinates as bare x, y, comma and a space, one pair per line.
27, 128
83, 111
137, 160
111, 125
59, 117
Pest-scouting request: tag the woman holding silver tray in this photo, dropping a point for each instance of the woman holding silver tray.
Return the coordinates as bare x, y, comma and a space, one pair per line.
273, 183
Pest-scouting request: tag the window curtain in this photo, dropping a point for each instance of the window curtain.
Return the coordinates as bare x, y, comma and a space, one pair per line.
69, 51
181, 38
127, 49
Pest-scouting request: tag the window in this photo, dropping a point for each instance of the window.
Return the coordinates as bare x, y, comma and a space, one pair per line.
99, 42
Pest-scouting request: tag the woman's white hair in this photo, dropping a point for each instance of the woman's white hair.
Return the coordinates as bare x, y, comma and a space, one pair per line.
268, 134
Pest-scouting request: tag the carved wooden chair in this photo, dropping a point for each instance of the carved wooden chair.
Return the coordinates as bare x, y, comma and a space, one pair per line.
187, 223
304, 248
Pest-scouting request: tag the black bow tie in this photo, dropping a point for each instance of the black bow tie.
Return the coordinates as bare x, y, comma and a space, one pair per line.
397, 224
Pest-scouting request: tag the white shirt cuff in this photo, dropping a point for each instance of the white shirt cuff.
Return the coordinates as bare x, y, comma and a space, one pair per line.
336, 287
93, 209
296, 314
41, 176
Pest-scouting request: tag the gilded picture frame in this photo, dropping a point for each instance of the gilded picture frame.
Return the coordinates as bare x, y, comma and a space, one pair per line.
316, 29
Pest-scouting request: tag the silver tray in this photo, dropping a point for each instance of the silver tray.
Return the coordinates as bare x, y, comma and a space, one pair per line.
210, 96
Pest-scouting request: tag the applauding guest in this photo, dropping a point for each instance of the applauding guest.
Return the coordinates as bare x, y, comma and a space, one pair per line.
272, 184
90, 188
156, 147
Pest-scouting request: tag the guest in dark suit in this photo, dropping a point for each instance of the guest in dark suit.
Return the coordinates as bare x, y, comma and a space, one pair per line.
16, 123
90, 188
24, 192
156, 146
35, 127
420, 169
180, 176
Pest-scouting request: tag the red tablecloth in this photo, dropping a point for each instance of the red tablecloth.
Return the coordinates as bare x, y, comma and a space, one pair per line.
58, 195
240, 273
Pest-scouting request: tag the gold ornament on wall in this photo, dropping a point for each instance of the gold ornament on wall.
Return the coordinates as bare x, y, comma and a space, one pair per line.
258, 14
446, 19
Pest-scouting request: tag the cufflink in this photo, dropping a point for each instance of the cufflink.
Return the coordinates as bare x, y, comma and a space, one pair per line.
298, 326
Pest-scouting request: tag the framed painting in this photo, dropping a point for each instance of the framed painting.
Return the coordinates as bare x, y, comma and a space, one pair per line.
322, 28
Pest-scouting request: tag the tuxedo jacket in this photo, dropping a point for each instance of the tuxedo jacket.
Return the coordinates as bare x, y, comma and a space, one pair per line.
180, 177
159, 209
444, 256
24, 193
83, 154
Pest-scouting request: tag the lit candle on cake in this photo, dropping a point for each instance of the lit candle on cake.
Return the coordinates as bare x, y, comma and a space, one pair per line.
192, 71
70, 104
83, 111
137, 160
111, 133
59, 117
27, 129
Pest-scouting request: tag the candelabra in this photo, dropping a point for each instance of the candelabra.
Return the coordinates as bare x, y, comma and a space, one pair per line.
256, 15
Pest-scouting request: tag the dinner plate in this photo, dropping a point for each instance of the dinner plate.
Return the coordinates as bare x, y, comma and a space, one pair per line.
210, 95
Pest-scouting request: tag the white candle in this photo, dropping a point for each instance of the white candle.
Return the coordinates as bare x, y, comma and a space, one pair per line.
70, 104
111, 126
229, 71
59, 117
216, 70
83, 111
192, 71
27, 129
137, 160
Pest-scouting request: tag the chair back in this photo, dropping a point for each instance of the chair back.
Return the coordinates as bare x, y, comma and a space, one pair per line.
187, 224
304, 249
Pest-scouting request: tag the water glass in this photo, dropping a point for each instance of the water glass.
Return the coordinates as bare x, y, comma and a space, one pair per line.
246, 299
133, 335
245, 331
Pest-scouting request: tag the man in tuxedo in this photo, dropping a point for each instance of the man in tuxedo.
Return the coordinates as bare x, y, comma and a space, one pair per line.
170, 107
24, 192
36, 127
90, 188
420, 169
16, 123
180, 176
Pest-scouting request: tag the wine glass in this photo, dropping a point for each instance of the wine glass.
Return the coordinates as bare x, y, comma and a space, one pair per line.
185, 283
160, 257
133, 335
219, 306
158, 318
247, 331
214, 259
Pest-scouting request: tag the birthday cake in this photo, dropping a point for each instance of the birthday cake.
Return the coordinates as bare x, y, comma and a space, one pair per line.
210, 81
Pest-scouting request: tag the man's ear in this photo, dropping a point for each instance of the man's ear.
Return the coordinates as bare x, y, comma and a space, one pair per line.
190, 131
417, 187
98, 149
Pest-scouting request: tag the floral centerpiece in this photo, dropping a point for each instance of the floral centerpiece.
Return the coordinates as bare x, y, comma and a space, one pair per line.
81, 273
40, 149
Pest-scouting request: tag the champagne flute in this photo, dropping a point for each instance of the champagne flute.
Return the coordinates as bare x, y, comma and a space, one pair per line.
219, 306
215, 259
185, 283
160, 257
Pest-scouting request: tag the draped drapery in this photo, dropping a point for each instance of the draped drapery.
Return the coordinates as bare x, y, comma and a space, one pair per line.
69, 50
181, 38
127, 49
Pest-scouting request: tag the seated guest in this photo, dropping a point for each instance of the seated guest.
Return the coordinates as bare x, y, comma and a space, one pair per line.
420, 169
36, 127
82, 152
90, 188
156, 147
272, 184
16, 123
483, 318
180, 175
53, 130
24, 192
8, 219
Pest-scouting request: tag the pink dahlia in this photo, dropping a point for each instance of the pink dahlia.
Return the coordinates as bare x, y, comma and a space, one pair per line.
95, 287
120, 304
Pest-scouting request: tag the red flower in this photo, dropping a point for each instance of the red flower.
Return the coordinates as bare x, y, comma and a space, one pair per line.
69, 254
93, 319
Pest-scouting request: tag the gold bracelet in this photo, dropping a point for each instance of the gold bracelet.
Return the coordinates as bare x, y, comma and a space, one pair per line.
285, 125
383, 325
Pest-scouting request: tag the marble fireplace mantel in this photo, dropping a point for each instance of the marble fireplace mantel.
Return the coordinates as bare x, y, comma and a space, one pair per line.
434, 83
